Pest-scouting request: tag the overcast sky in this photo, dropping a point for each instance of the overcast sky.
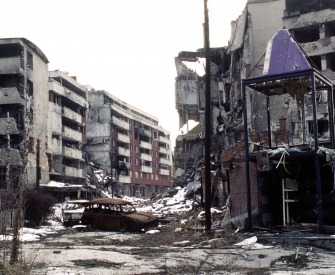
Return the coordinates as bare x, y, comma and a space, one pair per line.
126, 47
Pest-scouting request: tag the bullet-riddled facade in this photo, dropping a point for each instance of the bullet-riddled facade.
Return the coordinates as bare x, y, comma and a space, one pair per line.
23, 112
66, 128
311, 25
126, 140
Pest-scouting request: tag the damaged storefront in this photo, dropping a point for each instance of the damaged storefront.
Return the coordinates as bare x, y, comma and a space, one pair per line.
293, 145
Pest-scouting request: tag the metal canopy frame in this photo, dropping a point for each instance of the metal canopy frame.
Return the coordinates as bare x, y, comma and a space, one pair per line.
311, 80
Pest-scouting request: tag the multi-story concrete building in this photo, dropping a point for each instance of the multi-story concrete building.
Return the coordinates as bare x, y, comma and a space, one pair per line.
130, 142
312, 24
66, 128
23, 112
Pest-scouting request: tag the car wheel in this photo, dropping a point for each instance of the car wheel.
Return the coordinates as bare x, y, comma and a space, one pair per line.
133, 226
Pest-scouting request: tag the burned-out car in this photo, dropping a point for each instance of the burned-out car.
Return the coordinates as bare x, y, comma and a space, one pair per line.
72, 211
116, 215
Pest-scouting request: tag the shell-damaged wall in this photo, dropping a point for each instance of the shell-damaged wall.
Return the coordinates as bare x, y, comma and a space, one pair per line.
190, 104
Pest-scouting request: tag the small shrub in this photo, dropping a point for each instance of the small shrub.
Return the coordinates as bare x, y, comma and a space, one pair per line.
37, 206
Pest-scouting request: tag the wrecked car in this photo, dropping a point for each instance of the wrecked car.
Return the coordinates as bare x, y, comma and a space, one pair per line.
116, 215
72, 211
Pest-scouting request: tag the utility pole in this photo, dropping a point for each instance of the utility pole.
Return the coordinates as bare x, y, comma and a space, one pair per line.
208, 220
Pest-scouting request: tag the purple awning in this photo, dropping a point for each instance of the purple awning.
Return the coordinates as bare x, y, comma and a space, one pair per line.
283, 55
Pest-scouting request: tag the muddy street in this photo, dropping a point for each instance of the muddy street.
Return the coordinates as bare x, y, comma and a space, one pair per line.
169, 251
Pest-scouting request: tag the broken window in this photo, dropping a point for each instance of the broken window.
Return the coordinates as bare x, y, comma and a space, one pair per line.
316, 60
330, 59
304, 6
30, 60
30, 88
330, 29
308, 34
14, 111
31, 145
8, 81
323, 127
3, 181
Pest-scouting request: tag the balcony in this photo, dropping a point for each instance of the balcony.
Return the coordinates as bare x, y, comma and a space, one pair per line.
72, 153
72, 134
123, 138
145, 145
120, 123
164, 150
123, 152
72, 115
164, 161
13, 155
8, 126
144, 132
124, 179
164, 172
146, 169
72, 172
11, 96
146, 157
164, 139
57, 88
320, 47
123, 164
56, 146
10, 65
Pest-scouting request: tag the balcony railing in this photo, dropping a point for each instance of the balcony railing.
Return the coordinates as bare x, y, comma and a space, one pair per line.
163, 150
146, 157
72, 115
10, 65
122, 124
316, 48
56, 87
165, 161
72, 172
164, 172
10, 96
124, 152
123, 138
13, 155
146, 169
124, 179
164, 139
72, 134
72, 153
145, 145
8, 126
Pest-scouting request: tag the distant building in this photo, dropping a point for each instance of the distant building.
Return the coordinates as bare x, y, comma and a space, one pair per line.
66, 128
129, 144
23, 112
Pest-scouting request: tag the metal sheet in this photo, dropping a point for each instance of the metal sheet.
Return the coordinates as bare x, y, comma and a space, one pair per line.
283, 54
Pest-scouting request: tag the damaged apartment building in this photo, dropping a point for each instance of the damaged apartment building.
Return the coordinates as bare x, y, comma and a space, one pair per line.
285, 175
128, 143
23, 127
43, 120
67, 136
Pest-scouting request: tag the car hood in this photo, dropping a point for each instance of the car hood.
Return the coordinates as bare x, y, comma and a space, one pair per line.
142, 217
